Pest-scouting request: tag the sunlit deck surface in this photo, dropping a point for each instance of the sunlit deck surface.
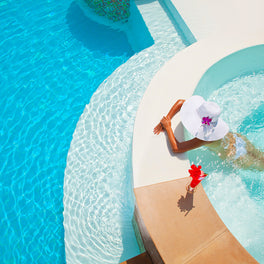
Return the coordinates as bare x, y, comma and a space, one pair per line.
177, 227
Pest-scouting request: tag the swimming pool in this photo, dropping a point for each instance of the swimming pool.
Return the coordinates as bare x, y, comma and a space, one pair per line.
52, 58
236, 82
98, 198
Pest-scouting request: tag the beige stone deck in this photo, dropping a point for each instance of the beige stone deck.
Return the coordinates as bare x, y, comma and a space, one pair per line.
183, 227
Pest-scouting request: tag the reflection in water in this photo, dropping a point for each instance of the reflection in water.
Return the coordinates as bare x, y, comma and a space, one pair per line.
95, 36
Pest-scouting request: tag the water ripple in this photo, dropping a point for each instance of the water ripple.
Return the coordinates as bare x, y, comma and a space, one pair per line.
98, 200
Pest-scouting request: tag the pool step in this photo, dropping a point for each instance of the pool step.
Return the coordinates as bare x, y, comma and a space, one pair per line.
181, 227
140, 259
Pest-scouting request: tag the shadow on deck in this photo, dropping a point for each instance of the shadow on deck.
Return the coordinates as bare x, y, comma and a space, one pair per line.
179, 227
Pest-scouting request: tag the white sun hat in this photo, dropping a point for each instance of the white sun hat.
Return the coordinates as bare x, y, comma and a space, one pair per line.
201, 119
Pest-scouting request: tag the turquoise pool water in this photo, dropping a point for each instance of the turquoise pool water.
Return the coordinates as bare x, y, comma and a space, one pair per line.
98, 197
237, 194
52, 60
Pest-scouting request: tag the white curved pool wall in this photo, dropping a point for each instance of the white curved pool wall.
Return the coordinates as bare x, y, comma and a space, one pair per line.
152, 160
239, 63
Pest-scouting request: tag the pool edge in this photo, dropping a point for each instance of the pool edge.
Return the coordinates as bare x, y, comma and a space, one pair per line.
153, 164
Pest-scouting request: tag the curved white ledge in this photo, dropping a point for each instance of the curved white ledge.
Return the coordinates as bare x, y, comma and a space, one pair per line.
152, 160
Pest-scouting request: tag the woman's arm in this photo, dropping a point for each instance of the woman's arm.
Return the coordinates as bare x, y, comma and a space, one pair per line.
173, 111
176, 146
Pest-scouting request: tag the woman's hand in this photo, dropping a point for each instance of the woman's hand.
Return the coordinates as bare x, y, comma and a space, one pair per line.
158, 128
165, 122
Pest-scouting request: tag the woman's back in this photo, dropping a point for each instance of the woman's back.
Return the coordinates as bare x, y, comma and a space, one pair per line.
239, 150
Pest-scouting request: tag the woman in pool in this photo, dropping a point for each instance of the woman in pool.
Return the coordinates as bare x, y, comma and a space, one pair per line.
202, 120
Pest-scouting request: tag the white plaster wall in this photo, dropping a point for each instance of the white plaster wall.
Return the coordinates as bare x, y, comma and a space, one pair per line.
211, 17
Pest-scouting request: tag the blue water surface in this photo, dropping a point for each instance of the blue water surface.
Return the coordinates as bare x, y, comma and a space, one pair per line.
238, 194
52, 60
